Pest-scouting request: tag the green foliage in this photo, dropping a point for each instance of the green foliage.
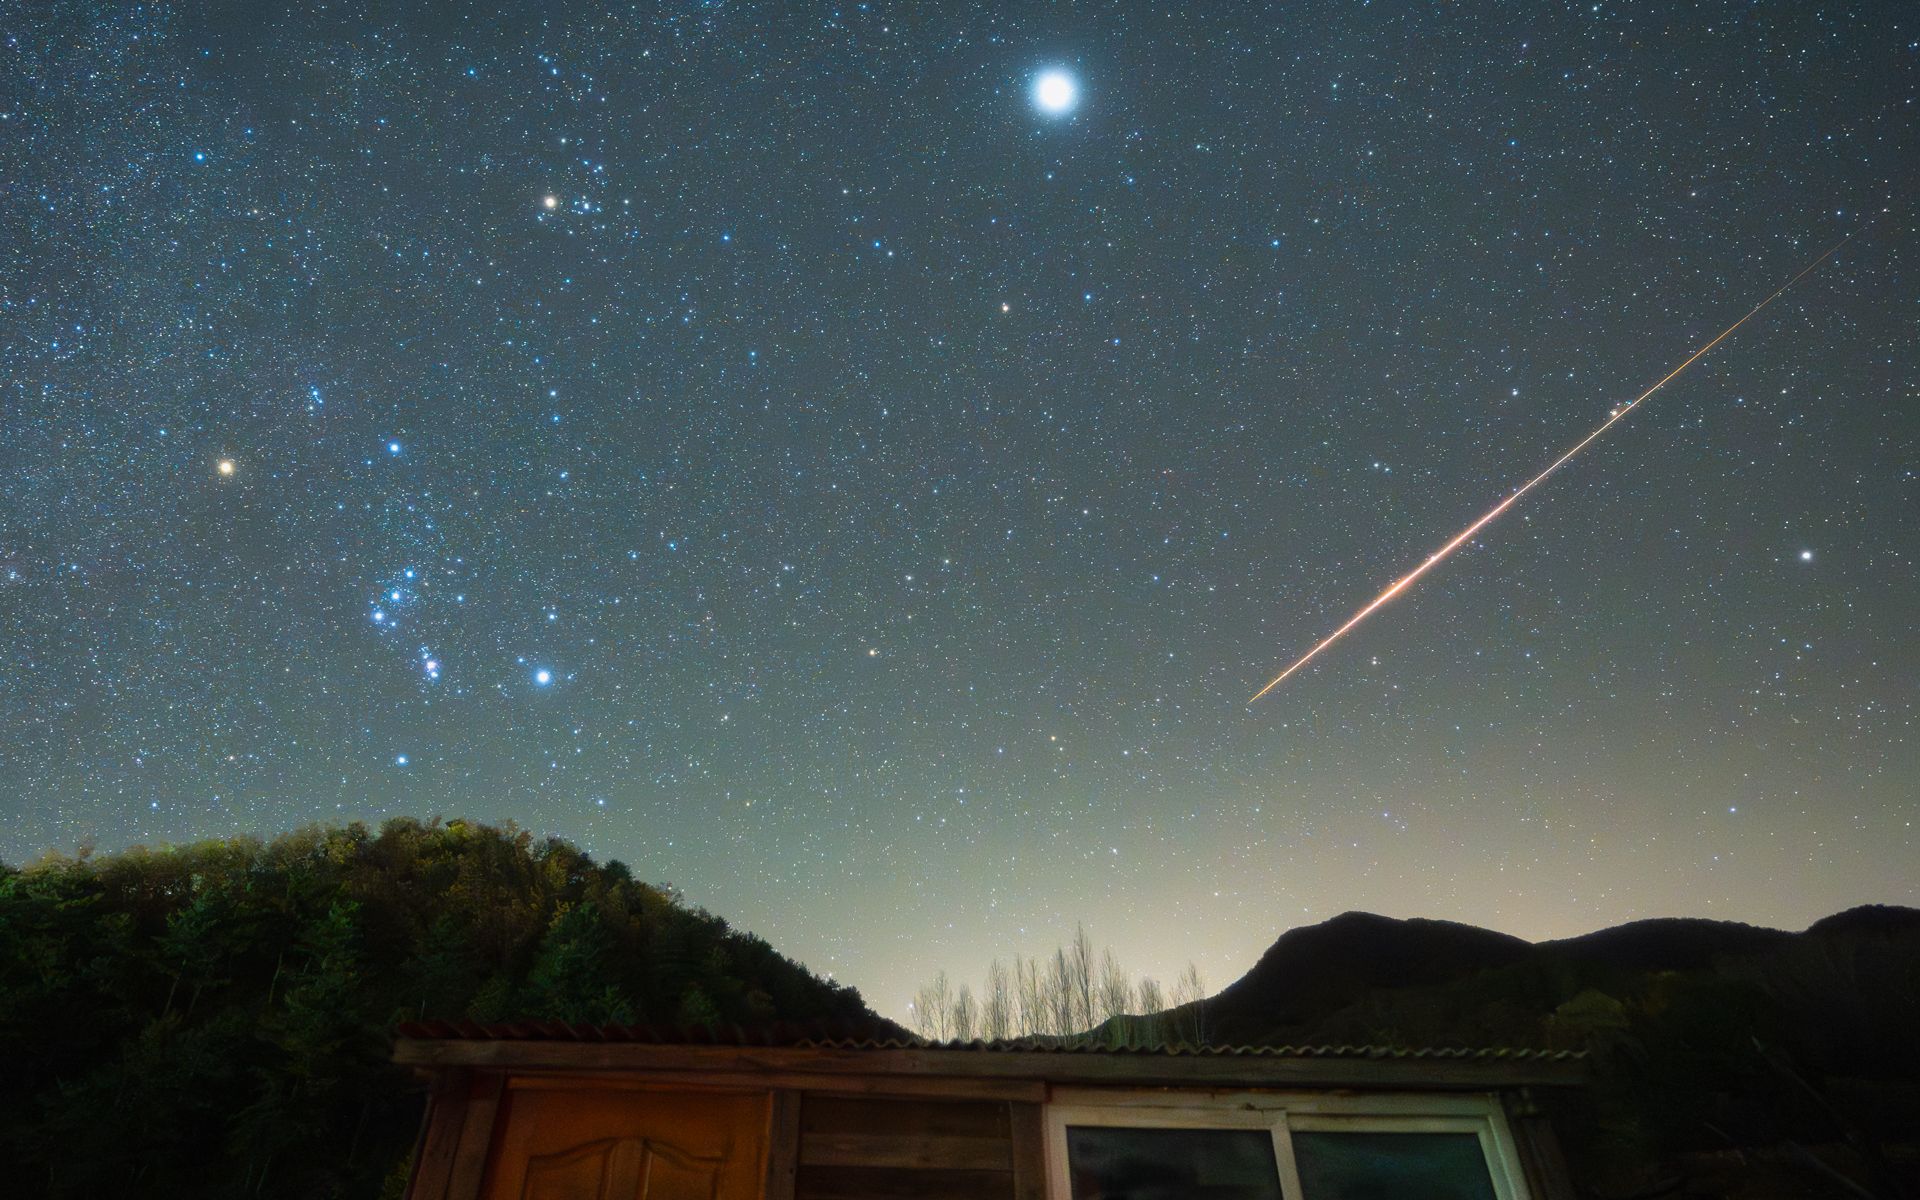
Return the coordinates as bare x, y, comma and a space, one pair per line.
570, 978
697, 1008
214, 1019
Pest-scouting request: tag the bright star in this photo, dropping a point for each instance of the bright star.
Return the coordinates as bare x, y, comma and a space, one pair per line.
399, 760
1056, 92
393, 447
1806, 556
542, 677
551, 202
225, 466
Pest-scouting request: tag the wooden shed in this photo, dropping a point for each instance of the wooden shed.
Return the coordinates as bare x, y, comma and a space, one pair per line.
554, 1112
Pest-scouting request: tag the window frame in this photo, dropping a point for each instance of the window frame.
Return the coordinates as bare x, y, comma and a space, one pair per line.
1280, 1114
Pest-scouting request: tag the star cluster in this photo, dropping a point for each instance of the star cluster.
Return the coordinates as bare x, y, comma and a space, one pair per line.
855, 462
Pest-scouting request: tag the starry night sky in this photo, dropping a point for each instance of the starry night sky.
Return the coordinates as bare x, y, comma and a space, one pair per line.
766, 447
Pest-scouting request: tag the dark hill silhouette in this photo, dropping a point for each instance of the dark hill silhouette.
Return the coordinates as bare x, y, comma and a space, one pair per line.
1870, 919
1317, 969
1665, 944
1749, 1060
1313, 973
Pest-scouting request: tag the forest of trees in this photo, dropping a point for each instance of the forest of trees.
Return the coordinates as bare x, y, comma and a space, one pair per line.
215, 1019
1073, 995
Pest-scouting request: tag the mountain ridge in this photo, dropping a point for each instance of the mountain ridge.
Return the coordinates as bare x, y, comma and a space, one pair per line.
1312, 972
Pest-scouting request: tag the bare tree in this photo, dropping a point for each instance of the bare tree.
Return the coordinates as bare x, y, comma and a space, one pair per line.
1190, 1008
933, 1009
1075, 993
965, 1025
1080, 982
1153, 1013
997, 1009
1033, 1008
1117, 993
1058, 994
1115, 1000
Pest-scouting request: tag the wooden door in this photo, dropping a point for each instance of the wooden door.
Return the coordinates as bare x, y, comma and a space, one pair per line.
575, 1143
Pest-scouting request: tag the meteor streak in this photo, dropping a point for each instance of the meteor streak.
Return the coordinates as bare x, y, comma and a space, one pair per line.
1464, 536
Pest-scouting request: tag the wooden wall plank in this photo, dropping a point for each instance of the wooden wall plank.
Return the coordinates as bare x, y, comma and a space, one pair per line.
912, 1117
869, 1183
1027, 1141
933, 1152
475, 1149
850, 1087
445, 1117
893, 1087
783, 1145
1548, 1177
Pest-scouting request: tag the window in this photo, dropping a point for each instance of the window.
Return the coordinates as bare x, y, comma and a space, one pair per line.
1371, 1164
1113, 1163
1270, 1146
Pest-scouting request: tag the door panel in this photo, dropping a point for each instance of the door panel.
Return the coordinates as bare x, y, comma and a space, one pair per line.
606, 1144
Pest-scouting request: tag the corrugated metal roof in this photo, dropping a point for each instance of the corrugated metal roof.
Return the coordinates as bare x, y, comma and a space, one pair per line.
854, 1036
1454, 1052
776, 1033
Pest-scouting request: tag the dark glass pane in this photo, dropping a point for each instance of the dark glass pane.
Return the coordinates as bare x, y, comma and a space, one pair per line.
1392, 1166
1110, 1163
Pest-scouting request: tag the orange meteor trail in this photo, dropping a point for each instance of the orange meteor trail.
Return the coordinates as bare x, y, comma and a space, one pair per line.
1466, 535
